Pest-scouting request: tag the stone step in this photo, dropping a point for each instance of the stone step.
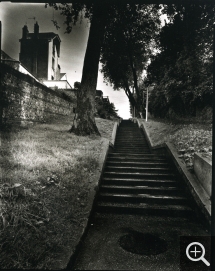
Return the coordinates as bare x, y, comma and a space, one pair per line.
169, 190
134, 175
150, 155
127, 137
139, 151
144, 209
138, 182
128, 147
133, 159
137, 170
124, 152
142, 198
123, 163
130, 141
131, 130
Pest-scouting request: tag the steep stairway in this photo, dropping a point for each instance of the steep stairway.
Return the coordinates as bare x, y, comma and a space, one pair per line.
136, 181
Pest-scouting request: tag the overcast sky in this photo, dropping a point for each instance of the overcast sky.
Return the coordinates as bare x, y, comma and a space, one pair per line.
15, 15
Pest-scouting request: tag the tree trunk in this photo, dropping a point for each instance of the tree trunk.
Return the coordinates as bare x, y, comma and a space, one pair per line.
130, 95
84, 124
139, 99
134, 72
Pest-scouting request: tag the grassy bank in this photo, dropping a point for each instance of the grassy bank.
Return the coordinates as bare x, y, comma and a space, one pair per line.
188, 138
48, 176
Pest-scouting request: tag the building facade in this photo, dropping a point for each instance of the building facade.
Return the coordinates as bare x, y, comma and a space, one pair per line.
40, 52
17, 65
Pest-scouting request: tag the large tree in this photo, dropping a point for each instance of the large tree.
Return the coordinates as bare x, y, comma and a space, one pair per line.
127, 47
84, 123
105, 18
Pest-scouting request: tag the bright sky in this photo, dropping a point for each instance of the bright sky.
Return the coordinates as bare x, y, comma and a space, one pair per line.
15, 15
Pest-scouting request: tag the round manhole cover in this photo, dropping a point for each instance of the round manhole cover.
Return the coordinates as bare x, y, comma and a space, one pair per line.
142, 243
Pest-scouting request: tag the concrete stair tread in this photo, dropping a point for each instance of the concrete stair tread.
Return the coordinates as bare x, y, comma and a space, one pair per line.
139, 180
135, 152
137, 141
145, 206
132, 150
130, 143
130, 147
116, 147
145, 156
124, 163
137, 168
140, 173
141, 196
141, 187
133, 161
138, 159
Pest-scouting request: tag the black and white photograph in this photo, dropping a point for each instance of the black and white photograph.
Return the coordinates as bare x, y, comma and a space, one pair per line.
107, 135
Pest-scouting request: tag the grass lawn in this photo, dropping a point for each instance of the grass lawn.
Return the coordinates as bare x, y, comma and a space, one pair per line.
48, 176
188, 138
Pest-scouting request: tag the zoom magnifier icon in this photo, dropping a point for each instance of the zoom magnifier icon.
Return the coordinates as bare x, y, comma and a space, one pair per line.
195, 252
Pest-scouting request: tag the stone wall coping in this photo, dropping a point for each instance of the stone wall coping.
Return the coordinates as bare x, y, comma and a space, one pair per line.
203, 171
113, 137
198, 192
206, 159
27, 78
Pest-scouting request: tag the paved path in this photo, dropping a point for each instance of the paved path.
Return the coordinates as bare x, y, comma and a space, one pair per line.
101, 249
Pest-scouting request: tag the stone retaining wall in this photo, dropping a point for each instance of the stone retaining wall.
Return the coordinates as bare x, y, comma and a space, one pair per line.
203, 171
26, 100
193, 185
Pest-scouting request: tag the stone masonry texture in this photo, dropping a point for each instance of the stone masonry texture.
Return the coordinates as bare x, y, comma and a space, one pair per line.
26, 100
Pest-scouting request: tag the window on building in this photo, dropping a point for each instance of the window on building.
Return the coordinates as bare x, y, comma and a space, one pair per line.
52, 77
53, 63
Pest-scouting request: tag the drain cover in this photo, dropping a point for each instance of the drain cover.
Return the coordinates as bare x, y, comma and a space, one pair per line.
142, 243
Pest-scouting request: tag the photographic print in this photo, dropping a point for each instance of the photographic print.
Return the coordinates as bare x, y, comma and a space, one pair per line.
106, 135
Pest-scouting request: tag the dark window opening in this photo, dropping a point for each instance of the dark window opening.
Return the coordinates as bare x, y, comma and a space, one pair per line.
53, 63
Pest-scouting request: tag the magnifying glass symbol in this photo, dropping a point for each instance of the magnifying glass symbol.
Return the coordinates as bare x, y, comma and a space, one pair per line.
198, 248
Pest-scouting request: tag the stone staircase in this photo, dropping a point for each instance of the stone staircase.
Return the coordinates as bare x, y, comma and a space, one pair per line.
135, 181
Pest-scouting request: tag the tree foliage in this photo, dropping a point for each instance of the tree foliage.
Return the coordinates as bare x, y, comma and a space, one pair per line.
77, 85
72, 12
182, 70
126, 31
126, 48
105, 109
